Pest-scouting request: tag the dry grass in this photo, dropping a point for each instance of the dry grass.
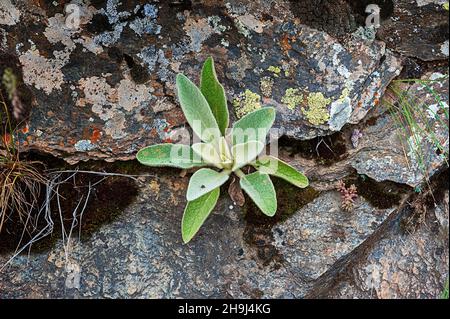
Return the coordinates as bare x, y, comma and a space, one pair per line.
21, 181
21, 184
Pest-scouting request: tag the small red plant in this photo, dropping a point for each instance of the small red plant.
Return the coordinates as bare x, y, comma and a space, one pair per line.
348, 195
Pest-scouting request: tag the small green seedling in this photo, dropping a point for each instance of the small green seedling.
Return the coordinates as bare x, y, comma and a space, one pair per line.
206, 111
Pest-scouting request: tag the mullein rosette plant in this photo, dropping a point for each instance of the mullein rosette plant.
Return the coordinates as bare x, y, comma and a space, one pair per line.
227, 151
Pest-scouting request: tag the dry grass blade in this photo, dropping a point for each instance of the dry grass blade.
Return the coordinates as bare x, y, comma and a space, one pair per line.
21, 184
20, 181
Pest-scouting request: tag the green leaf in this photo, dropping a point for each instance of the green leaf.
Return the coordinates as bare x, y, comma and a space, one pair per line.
273, 166
260, 189
245, 153
196, 110
203, 181
208, 153
214, 94
196, 213
253, 126
172, 155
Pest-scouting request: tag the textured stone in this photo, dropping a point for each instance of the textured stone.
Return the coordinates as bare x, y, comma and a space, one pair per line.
417, 29
140, 254
105, 89
402, 264
111, 80
384, 152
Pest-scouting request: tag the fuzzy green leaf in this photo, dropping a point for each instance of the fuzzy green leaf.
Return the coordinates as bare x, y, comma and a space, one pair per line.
203, 181
172, 155
196, 110
260, 189
208, 153
245, 153
253, 126
196, 213
214, 94
273, 166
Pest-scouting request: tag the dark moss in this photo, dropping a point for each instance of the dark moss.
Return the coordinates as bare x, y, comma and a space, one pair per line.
108, 199
325, 150
381, 195
419, 204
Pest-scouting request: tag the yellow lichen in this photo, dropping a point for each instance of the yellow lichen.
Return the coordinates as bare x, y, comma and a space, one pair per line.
292, 98
344, 95
246, 102
275, 70
317, 112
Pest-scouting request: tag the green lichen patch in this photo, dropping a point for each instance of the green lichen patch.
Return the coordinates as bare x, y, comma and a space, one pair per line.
246, 102
266, 85
292, 98
317, 112
275, 70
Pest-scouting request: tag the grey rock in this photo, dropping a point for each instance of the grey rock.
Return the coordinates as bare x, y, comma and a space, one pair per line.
111, 80
423, 151
140, 254
402, 264
384, 151
417, 29
106, 89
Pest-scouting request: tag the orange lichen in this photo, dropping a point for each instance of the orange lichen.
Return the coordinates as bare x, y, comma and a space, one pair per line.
168, 54
284, 43
175, 117
25, 129
95, 136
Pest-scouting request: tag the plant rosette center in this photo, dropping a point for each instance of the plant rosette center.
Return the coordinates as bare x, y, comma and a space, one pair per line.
220, 155
227, 150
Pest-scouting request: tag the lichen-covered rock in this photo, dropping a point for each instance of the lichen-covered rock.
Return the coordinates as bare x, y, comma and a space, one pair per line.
140, 254
104, 84
102, 87
417, 28
402, 264
381, 146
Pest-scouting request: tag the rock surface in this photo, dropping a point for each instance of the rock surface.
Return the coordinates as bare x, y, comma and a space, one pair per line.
416, 29
105, 89
235, 254
382, 150
408, 259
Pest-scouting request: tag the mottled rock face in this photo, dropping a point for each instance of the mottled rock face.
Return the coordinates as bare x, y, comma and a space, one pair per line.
106, 88
399, 265
238, 253
417, 29
102, 87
